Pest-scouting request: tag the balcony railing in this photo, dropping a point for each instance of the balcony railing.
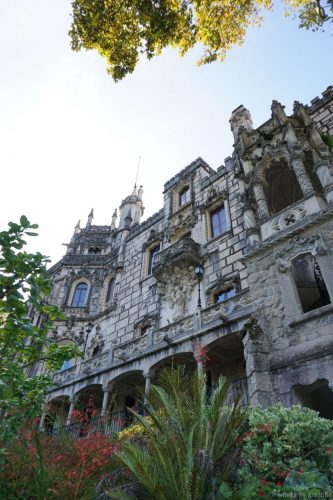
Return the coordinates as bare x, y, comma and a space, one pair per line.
185, 251
111, 425
122, 353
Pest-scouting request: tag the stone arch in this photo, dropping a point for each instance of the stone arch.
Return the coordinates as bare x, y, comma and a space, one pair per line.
88, 401
318, 396
106, 300
78, 280
185, 358
281, 186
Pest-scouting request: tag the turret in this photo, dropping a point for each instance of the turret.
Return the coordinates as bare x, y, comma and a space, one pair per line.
131, 208
240, 118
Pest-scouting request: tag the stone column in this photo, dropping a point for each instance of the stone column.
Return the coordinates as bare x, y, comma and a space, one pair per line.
148, 377
261, 201
301, 174
106, 394
70, 411
252, 231
323, 171
42, 420
256, 352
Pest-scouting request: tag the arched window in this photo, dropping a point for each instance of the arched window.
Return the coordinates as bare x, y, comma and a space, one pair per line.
109, 293
79, 297
65, 365
310, 284
282, 188
184, 196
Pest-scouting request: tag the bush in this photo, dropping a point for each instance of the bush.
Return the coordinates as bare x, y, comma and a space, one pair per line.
288, 447
40, 467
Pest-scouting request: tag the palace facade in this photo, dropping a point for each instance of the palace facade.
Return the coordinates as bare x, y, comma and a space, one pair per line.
233, 274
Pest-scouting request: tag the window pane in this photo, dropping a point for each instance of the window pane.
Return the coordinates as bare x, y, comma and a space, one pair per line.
80, 293
152, 255
218, 221
184, 196
109, 294
225, 295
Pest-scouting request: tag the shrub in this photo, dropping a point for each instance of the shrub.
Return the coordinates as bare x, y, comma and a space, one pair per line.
290, 447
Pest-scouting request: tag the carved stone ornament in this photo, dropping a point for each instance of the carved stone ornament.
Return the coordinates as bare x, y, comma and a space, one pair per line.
75, 335
312, 244
97, 341
177, 289
223, 283
253, 328
214, 195
289, 218
153, 237
181, 221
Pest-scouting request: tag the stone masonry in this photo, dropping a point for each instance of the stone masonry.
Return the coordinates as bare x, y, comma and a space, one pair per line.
238, 265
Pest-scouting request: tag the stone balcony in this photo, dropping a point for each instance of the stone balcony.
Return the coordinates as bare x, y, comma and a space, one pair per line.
185, 252
228, 315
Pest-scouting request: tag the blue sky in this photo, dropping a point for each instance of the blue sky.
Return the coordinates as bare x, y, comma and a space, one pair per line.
71, 137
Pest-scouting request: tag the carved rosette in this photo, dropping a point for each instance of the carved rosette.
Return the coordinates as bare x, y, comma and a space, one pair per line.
289, 218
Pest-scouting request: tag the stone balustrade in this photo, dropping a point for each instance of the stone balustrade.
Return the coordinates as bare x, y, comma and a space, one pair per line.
152, 340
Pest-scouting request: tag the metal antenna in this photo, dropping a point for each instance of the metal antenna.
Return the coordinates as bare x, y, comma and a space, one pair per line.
137, 172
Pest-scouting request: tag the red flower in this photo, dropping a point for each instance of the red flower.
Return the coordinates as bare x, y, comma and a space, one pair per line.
263, 481
260, 493
328, 451
300, 471
249, 434
279, 483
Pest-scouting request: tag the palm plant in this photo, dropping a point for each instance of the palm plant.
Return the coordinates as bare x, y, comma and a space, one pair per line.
190, 445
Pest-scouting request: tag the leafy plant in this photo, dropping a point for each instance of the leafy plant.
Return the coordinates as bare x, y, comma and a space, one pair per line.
287, 447
189, 450
24, 286
122, 30
328, 140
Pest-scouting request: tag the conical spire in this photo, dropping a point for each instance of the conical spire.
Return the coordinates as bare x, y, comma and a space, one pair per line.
90, 218
77, 227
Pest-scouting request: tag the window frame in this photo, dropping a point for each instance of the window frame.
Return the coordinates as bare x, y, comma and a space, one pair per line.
80, 302
221, 208
151, 254
73, 287
184, 191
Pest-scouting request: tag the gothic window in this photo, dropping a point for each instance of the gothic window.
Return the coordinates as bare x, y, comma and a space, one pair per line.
109, 293
218, 221
309, 282
80, 294
152, 256
224, 295
184, 196
281, 186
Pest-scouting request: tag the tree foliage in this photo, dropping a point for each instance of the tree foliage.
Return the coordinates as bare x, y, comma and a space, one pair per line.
121, 30
24, 286
189, 446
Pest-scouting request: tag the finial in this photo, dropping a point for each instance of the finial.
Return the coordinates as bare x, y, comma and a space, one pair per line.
90, 218
77, 227
114, 219
140, 193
